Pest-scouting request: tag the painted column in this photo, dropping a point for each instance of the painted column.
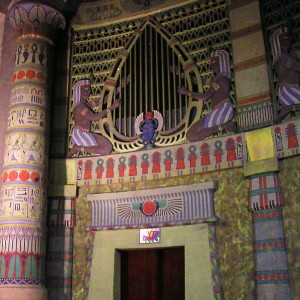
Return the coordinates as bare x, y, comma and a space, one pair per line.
271, 270
23, 194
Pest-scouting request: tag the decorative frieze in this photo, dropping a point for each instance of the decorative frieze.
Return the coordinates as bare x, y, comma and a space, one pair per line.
160, 207
210, 155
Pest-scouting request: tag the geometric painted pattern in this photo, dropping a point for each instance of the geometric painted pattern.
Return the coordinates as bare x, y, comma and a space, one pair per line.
265, 192
173, 161
286, 139
199, 157
60, 250
271, 270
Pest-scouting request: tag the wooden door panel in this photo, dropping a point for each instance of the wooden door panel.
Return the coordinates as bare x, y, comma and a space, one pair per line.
152, 274
173, 273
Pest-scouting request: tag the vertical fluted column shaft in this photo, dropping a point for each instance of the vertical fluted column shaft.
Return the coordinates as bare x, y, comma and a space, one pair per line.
271, 269
23, 194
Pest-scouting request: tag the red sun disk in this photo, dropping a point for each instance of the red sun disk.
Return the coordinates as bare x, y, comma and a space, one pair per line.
13, 175
24, 175
30, 74
4, 177
149, 207
40, 76
35, 176
20, 74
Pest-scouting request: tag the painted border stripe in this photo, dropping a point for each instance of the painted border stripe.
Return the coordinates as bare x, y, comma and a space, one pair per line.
20, 222
251, 63
265, 191
246, 31
256, 98
234, 4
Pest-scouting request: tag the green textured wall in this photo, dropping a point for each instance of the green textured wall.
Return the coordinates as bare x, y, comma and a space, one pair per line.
289, 179
234, 235
234, 229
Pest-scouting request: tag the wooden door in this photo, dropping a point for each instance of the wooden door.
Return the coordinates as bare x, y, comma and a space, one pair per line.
152, 274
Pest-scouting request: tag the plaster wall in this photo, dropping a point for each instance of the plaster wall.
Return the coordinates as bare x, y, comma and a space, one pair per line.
245, 16
252, 46
259, 82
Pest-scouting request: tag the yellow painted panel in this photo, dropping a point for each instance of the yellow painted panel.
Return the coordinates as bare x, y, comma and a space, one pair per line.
260, 144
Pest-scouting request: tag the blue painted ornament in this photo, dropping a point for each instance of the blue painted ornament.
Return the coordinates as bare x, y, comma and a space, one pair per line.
148, 128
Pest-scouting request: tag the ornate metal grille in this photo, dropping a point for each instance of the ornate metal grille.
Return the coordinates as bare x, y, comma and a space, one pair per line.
143, 61
277, 13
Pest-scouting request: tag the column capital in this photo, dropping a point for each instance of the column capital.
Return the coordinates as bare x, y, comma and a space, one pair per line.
261, 166
35, 19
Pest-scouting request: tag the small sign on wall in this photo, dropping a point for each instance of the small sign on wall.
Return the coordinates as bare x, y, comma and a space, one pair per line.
149, 235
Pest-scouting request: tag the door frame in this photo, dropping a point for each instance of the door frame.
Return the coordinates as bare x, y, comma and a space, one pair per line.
105, 277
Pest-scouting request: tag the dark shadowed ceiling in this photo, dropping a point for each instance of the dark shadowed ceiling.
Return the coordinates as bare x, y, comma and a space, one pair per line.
60, 4
4, 5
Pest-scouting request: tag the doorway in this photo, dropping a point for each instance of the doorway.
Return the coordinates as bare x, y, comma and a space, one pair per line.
105, 270
153, 274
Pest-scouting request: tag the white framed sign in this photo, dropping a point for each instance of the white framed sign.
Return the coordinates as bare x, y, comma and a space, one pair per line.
150, 235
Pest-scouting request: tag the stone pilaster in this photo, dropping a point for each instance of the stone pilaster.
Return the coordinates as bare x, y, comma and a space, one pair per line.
61, 223
265, 203
23, 194
271, 276
60, 250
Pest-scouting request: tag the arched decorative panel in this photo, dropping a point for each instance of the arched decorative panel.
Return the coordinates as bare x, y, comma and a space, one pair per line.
143, 61
146, 75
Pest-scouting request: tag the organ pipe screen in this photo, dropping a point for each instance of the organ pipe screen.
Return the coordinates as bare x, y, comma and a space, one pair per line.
143, 62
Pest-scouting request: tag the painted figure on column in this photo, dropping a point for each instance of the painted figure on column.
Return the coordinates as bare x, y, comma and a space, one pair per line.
83, 139
220, 118
287, 67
